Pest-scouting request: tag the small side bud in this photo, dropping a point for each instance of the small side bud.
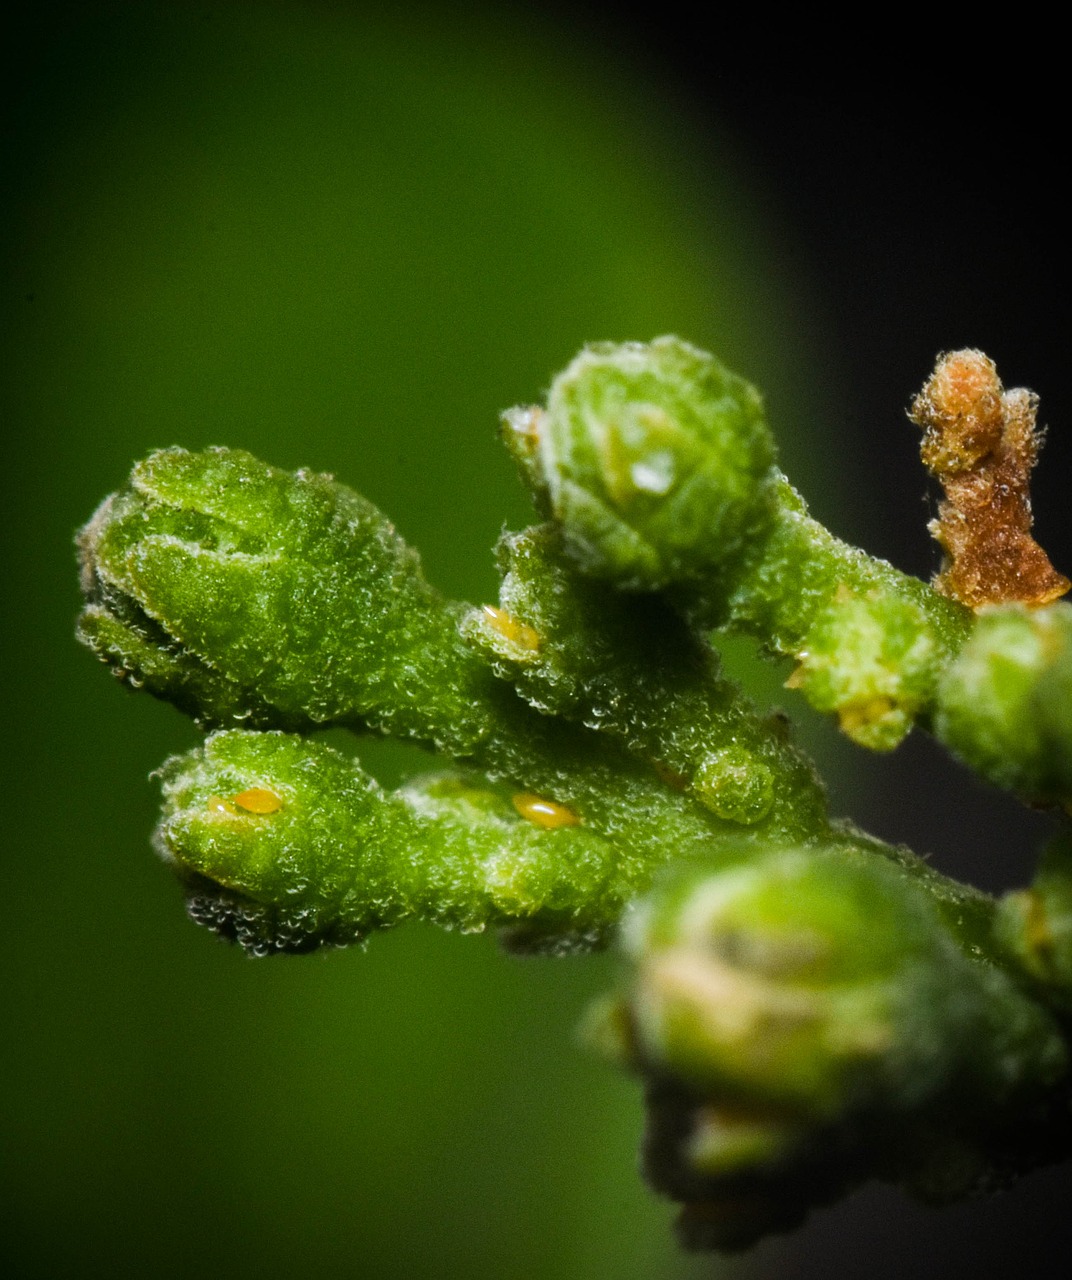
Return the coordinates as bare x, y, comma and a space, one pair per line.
871, 660
735, 784
1036, 923
1003, 704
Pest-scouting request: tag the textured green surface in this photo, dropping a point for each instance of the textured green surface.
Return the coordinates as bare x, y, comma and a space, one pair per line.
242, 592
657, 462
808, 1007
628, 665
340, 857
871, 642
292, 589
808, 1020
659, 465
1004, 703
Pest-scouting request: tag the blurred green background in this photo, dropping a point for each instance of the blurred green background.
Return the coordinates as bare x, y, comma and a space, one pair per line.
341, 240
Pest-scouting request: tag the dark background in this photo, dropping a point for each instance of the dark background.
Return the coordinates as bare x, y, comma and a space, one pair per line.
919, 172
918, 183
200, 248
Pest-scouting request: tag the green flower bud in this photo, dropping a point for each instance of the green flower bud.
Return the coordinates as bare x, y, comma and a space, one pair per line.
801, 979
656, 460
240, 591
872, 661
809, 1019
284, 844
1005, 704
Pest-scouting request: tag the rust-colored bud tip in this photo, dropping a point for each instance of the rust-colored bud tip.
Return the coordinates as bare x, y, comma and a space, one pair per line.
980, 442
960, 411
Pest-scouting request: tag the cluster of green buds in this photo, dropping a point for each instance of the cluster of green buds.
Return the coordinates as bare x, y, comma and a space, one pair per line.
807, 1006
816, 1017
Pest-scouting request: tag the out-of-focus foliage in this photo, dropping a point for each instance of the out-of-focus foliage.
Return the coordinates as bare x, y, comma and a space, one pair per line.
345, 241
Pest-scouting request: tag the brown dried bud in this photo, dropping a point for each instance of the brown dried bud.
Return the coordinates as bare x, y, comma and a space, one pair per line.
981, 443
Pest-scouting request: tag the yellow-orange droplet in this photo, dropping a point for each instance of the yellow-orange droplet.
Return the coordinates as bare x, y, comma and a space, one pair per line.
217, 804
544, 813
512, 629
258, 800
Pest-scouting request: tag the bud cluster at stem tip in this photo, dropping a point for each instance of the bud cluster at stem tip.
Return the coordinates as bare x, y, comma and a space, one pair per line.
808, 1007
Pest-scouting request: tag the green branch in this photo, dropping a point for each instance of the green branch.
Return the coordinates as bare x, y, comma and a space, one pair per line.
659, 466
807, 1006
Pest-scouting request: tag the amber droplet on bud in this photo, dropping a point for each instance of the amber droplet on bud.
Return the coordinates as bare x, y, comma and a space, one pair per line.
511, 628
258, 800
544, 813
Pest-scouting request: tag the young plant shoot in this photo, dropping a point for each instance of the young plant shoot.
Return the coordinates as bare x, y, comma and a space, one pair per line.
807, 1007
